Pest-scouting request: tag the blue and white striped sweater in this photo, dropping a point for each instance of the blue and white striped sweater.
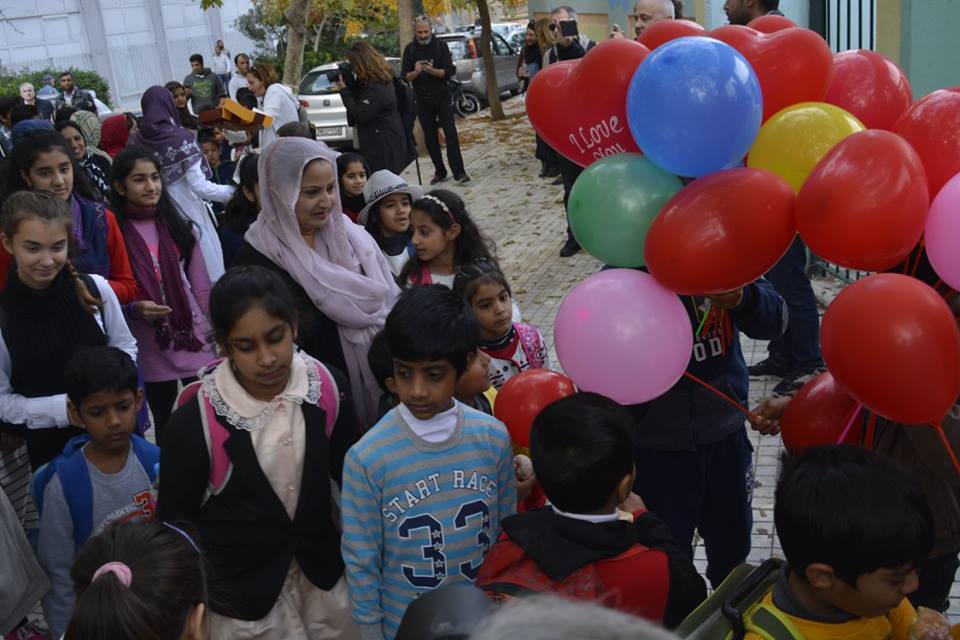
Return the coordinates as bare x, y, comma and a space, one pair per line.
417, 515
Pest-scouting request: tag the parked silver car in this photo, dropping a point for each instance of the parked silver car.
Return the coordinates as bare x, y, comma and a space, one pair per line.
465, 49
321, 99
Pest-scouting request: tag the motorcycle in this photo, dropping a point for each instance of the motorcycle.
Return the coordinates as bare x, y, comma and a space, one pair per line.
465, 102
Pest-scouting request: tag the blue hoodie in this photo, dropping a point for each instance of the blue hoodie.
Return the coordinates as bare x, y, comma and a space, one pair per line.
688, 414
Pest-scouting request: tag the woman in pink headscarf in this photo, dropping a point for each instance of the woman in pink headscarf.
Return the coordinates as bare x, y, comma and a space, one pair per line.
338, 275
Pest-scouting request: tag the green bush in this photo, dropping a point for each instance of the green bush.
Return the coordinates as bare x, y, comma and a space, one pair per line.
87, 80
386, 43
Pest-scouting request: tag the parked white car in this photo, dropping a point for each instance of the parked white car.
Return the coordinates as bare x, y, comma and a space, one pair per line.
321, 99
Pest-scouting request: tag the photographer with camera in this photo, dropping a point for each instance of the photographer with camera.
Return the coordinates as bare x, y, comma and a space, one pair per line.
570, 45
274, 99
427, 64
368, 93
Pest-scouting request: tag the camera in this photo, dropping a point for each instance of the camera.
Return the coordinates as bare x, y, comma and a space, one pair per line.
343, 71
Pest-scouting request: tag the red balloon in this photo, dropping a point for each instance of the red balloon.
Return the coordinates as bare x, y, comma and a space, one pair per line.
865, 204
932, 127
871, 87
817, 415
525, 395
771, 23
721, 232
792, 65
666, 30
579, 107
893, 344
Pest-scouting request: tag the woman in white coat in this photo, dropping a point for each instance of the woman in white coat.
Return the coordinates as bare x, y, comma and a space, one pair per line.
275, 99
186, 173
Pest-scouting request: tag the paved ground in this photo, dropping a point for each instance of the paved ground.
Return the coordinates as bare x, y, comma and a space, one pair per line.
524, 216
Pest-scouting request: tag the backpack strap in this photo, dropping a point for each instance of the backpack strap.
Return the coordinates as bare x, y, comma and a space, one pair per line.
43, 474
329, 399
74, 476
770, 623
148, 455
531, 344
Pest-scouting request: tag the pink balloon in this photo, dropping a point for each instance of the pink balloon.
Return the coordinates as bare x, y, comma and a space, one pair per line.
621, 334
943, 231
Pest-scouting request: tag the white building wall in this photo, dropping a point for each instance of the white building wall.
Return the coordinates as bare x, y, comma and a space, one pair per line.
144, 42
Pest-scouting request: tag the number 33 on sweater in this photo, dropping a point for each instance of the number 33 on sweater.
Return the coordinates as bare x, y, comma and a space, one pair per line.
433, 552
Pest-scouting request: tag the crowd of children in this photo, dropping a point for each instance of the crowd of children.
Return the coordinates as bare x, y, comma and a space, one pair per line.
321, 357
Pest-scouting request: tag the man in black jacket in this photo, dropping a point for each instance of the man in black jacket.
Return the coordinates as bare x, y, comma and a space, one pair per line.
568, 48
427, 64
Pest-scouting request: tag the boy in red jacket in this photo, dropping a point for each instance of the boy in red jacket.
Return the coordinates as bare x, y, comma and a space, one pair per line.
595, 540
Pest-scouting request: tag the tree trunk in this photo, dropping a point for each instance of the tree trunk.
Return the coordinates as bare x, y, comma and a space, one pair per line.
405, 20
489, 68
296, 41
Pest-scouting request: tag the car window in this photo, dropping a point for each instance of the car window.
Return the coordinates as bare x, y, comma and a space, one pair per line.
458, 49
316, 82
500, 46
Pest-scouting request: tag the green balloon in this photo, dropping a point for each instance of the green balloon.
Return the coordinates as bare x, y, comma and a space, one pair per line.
613, 203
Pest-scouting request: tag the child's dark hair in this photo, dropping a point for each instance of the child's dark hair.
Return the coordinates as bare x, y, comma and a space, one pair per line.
432, 323
239, 212
380, 359
26, 152
851, 509
23, 112
470, 244
46, 207
244, 287
64, 113
206, 135
95, 369
167, 581
344, 160
7, 103
471, 276
582, 447
181, 229
246, 98
296, 130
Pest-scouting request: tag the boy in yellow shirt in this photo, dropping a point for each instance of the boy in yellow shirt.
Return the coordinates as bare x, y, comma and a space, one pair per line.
853, 527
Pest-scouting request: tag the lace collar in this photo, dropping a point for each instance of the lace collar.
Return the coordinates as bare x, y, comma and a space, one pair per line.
220, 386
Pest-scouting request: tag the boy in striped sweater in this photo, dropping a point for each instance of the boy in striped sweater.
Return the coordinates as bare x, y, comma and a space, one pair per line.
425, 489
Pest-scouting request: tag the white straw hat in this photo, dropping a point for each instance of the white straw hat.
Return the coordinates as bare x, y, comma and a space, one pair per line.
380, 185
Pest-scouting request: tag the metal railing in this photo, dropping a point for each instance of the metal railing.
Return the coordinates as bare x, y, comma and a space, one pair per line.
850, 24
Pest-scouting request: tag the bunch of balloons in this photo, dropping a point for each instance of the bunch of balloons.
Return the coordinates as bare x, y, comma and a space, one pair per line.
705, 153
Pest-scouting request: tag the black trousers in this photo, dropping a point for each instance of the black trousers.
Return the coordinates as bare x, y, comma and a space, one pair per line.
569, 171
161, 397
435, 114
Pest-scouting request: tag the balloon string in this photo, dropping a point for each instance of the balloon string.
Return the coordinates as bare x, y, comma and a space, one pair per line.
703, 321
752, 416
946, 445
916, 265
853, 418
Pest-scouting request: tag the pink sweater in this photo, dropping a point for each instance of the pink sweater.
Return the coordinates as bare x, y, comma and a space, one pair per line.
160, 365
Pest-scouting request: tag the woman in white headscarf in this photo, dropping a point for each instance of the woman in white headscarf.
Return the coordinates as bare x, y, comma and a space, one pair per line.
336, 271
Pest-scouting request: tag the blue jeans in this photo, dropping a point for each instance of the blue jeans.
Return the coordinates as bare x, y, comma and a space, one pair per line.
709, 489
799, 346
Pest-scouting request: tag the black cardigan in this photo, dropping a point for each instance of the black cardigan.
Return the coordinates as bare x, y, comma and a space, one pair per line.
247, 537
317, 334
372, 109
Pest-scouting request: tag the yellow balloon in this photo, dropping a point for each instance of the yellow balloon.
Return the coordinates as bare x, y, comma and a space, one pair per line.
792, 142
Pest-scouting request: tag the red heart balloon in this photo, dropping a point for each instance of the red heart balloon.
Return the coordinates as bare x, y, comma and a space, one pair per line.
818, 415
793, 65
721, 232
865, 204
771, 23
892, 342
932, 127
870, 87
579, 107
525, 395
666, 30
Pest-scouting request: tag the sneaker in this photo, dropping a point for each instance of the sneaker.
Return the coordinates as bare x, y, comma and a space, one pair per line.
463, 178
768, 367
558, 180
790, 381
437, 178
570, 248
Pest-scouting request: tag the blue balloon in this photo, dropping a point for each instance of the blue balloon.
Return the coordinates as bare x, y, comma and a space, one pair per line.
694, 106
